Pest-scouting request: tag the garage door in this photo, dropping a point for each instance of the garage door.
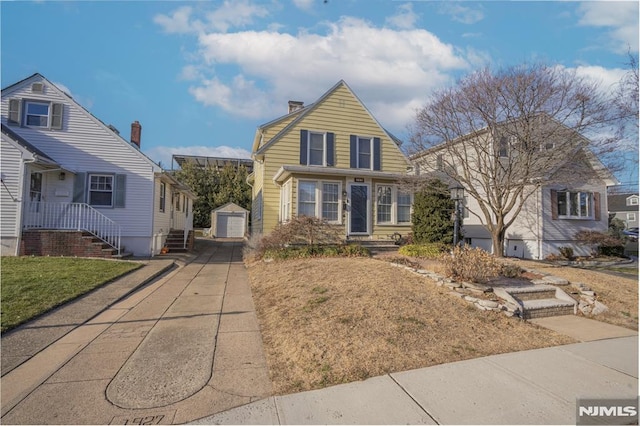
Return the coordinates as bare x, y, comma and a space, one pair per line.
230, 225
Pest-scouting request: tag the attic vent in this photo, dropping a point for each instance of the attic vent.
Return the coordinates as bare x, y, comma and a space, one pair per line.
37, 88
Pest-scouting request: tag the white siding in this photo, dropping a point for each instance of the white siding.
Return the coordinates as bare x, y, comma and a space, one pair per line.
11, 161
86, 145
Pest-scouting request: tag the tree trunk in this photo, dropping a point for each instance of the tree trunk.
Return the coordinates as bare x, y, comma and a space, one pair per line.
497, 239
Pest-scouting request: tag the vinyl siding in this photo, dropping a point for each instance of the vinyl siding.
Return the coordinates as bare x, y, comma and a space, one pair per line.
340, 113
11, 161
86, 145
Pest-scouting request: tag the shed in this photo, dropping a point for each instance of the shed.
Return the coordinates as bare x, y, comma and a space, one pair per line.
229, 221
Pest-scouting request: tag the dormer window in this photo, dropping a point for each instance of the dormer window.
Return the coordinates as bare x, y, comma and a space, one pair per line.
36, 114
632, 201
32, 113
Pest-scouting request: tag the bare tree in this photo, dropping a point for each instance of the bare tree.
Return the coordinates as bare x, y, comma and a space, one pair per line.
625, 100
503, 134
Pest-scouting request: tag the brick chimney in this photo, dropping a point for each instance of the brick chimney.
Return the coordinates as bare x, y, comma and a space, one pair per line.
295, 105
136, 132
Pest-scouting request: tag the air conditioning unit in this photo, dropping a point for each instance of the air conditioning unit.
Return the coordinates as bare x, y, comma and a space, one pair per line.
37, 88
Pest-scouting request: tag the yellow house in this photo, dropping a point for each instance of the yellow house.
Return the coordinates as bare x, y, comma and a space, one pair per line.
332, 160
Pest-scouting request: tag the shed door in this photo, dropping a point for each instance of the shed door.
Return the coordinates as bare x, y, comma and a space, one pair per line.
230, 225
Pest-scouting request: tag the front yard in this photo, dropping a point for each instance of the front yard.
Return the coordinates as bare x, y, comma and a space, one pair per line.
34, 285
326, 321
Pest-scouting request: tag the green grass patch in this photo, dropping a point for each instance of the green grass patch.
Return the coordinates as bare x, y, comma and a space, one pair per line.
34, 285
426, 251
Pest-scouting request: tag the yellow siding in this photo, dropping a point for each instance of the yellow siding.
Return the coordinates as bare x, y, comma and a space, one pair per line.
342, 114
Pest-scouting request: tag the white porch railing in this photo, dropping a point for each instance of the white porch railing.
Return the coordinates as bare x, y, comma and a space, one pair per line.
72, 216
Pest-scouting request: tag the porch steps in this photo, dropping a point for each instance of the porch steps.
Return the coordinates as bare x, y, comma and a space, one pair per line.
539, 301
175, 241
56, 242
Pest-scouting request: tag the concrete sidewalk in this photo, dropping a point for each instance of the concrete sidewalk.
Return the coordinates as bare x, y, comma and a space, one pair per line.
531, 387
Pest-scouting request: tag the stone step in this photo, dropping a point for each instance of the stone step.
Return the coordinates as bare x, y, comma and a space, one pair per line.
541, 308
533, 292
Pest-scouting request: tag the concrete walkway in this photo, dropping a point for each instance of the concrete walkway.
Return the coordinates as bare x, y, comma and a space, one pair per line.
186, 347
183, 347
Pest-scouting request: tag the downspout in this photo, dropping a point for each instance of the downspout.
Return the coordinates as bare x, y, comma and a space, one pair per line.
20, 214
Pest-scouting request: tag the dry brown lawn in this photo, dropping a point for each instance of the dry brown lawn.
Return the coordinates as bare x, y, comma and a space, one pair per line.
619, 294
333, 320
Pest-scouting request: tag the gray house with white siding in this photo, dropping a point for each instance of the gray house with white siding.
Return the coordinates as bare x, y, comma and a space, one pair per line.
64, 170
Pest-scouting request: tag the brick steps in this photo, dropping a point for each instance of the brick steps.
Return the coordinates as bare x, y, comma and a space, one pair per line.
175, 241
51, 242
542, 308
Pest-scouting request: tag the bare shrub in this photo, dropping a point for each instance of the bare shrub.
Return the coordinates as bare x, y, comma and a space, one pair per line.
301, 230
598, 241
470, 264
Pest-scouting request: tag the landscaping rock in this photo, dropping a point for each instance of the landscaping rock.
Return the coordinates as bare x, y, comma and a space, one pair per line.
553, 280
588, 292
599, 308
489, 303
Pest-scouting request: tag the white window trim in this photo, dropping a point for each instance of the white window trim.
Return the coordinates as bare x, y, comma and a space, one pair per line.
26, 113
162, 207
633, 201
90, 190
370, 152
631, 217
319, 200
324, 148
394, 205
590, 206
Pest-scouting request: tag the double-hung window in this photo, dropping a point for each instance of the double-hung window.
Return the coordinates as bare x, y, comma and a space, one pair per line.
163, 196
575, 205
365, 149
320, 199
316, 148
101, 190
393, 206
33, 113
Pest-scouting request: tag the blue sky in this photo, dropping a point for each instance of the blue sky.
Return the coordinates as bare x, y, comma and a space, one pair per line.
201, 76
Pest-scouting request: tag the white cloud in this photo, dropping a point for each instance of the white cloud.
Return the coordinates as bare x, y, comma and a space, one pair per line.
621, 17
405, 18
304, 4
607, 78
383, 66
463, 14
231, 14
164, 154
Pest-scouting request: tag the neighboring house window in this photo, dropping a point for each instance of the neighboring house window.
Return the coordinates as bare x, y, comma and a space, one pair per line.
365, 152
319, 199
163, 196
101, 190
631, 217
316, 148
575, 205
393, 206
503, 147
36, 114
632, 201
285, 202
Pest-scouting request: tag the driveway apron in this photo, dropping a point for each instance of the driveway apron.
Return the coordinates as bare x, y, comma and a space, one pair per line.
183, 347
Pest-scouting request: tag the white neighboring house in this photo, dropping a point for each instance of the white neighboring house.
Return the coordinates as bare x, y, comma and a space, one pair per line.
64, 170
550, 217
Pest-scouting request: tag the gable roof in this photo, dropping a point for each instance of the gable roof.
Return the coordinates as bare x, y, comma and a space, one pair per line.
618, 203
303, 112
62, 93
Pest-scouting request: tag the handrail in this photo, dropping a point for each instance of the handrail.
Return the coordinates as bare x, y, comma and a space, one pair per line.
72, 216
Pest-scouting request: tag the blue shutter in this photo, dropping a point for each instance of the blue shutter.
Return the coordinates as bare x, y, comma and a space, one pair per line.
376, 153
353, 141
330, 149
303, 146
120, 191
79, 188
